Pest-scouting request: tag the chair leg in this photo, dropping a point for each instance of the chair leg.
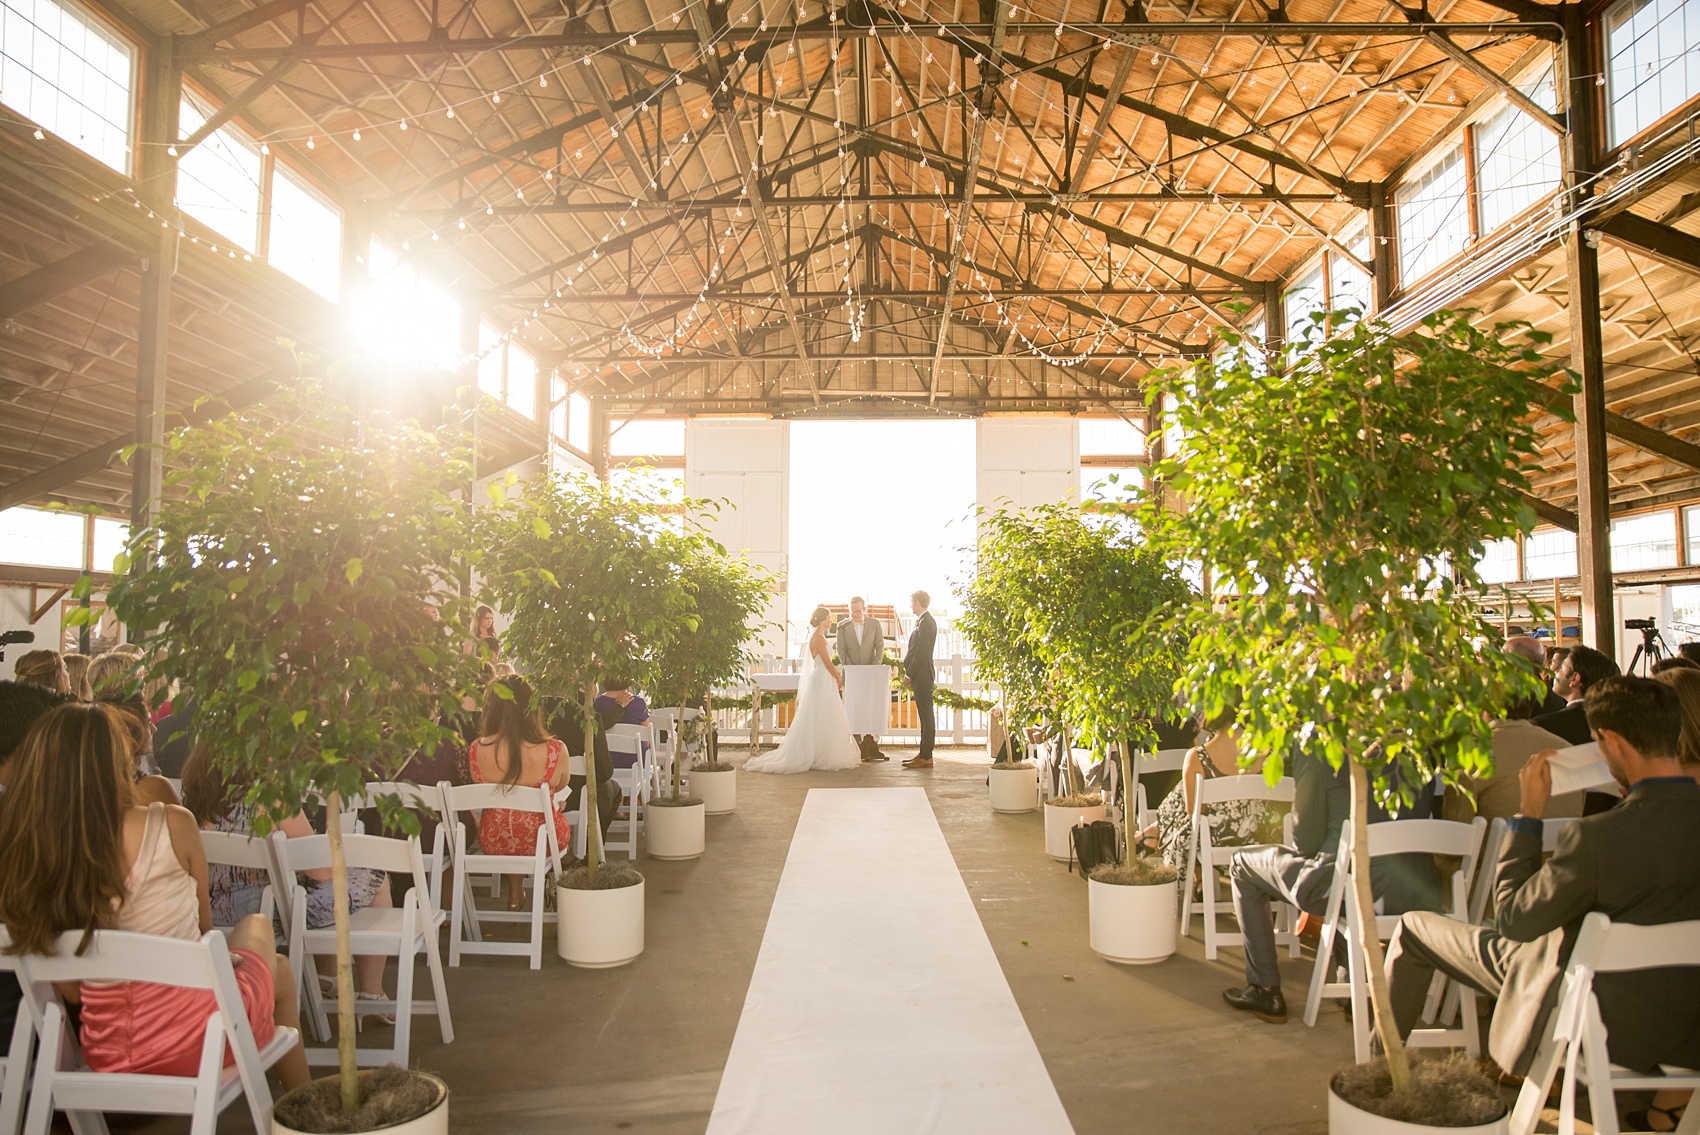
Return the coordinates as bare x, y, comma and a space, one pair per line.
1320, 974
17, 1073
203, 1120
434, 964
1207, 894
1360, 999
457, 912
1472, 1021
406, 959
1186, 885
537, 914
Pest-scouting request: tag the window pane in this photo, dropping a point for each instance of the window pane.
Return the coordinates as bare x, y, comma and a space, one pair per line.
306, 234
1651, 64
522, 381
42, 539
558, 406
1517, 159
1349, 286
218, 182
1303, 300
62, 69
1550, 553
664, 485
403, 318
1645, 541
578, 422
1110, 437
647, 437
1498, 562
1109, 482
110, 536
491, 359
1433, 222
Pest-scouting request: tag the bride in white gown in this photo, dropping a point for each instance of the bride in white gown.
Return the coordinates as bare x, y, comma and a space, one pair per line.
819, 736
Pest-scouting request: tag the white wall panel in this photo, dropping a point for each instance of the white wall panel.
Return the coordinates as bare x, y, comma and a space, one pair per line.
745, 465
1027, 461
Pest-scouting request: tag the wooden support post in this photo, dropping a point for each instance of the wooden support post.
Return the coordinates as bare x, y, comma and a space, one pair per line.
161, 95
1587, 353
1382, 243
1274, 323
599, 438
1557, 613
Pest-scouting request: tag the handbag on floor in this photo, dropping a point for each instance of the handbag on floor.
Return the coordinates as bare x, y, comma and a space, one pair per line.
1093, 844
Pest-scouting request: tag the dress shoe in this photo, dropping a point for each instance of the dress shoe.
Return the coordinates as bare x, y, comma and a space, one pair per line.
876, 755
918, 762
1264, 1004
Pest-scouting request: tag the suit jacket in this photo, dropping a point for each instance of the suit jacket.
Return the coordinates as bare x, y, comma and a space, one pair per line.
1639, 863
1553, 703
1571, 723
918, 661
869, 652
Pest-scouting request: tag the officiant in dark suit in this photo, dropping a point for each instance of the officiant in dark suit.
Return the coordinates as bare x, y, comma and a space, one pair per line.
861, 642
918, 674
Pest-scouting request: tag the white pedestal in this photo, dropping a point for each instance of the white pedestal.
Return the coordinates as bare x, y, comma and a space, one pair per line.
867, 699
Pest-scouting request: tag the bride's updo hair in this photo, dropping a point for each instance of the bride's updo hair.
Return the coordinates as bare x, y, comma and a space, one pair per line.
820, 616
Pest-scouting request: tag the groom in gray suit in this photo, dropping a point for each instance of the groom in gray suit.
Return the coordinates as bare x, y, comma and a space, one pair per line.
861, 642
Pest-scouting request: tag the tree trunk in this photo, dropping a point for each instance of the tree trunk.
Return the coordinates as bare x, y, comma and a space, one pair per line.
592, 788
1130, 820
678, 748
1398, 1062
345, 1028
710, 738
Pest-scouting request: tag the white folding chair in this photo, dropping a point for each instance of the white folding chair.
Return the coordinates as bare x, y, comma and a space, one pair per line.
423, 800
465, 921
15, 1068
63, 1082
629, 740
1204, 857
1576, 1036
1395, 837
1145, 764
244, 849
402, 932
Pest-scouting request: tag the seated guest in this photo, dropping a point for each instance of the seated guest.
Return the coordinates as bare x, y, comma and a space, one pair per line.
1690, 650
1687, 687
44, 668
174, 737
234, 892
515, 749
617, 705
1676, 662
1322, 804
77, 675
1638, 862
1531, 650
1234, 822
117, 864
1581, 668
139, 730
1515, 740
21, 706
567, 723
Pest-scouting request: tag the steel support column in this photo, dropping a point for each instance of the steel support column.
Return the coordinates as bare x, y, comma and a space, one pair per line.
161, 94
1587, 354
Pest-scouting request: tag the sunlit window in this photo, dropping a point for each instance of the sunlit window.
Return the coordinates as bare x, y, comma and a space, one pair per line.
110, 536
507, 371
218, 182
1433, 217
1653, 61
1549, 553
1517, 159
1110, 437
1498, 562
491, 359
404, 318
62, 69
1307, 297
305, 237
1645, 541
42, 539
1349, 286
647, 437
558, 407
578, 422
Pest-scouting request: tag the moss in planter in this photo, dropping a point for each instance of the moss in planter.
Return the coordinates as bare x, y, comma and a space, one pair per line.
1012, 764
1077, 800
669, 802
388, 1096
611, 877
1139, 873
714, 766
1449, 1091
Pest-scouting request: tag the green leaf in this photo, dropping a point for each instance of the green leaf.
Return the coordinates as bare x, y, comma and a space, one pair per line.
352, 569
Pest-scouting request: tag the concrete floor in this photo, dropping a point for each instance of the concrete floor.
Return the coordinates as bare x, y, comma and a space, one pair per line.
641, 1048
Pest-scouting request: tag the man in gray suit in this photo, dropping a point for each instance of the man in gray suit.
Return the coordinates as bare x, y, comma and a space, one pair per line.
861, 642
1638, 862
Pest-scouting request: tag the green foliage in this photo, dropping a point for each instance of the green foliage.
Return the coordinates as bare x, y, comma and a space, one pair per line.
1340, 506
590, 580
1075, 620
300, 586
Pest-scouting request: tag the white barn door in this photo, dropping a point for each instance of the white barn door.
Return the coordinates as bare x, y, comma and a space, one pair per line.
1024, 462
746, 464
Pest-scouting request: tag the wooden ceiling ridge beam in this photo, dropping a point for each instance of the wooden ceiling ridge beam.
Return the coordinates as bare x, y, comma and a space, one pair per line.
62, 275
1554, 122
237, 24
991, 78
1668, 245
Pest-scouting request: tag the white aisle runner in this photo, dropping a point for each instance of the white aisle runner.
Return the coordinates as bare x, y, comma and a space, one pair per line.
877, 1006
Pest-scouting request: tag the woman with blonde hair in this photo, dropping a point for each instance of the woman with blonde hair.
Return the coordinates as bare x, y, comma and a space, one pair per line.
77, 674
110, 862
42, 668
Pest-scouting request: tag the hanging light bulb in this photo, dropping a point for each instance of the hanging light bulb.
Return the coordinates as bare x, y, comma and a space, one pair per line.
451, 112
309, 141
489, 210
171, 151
357, 135
264, 148
403, 124
496, 97
543, 80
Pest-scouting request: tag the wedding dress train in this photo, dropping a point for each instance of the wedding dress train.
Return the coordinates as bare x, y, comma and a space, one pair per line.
819, 735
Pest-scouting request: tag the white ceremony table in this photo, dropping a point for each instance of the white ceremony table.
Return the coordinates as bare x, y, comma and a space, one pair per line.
777, 683
867, 699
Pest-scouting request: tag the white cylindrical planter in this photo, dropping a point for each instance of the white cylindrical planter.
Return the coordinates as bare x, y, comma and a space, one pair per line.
1345, 1119
599, 929
719, 790
1134, 926
433, 1122
675, 832
1060, 821
1014, 789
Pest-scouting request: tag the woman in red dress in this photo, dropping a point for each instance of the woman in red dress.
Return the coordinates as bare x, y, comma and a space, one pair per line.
514, 748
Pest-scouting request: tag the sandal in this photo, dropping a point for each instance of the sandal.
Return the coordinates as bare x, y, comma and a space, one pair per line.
384, 1018
1643, 1120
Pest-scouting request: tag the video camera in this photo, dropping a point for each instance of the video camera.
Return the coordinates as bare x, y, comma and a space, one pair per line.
9, 638
1640, 624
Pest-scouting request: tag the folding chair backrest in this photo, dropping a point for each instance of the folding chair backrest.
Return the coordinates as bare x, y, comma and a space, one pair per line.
1431, 837
1163, 760
1605, 946
1552, 830
459, 798
237, 849
120, 955
374, 852
1244, 786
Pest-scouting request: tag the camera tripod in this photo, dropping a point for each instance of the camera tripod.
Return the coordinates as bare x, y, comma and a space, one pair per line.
1651, 652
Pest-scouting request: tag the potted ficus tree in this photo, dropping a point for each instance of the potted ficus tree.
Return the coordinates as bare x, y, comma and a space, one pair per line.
1341, 504
300, 582
590, 580
989, 622
1019, 578
730, 595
